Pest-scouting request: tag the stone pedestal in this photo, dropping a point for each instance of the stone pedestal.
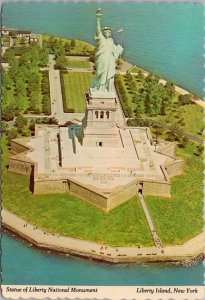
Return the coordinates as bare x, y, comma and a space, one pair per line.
99, 125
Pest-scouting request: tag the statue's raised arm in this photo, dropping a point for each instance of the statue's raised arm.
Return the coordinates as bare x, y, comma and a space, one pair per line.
105, 59
98, 16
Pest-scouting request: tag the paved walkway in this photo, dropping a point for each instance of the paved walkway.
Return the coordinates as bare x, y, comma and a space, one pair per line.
75, 246
156, 239
200, 102
56, 96
125, 66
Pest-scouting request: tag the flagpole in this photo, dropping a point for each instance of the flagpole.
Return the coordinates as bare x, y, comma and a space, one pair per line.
121, 41
122, 37
121, 31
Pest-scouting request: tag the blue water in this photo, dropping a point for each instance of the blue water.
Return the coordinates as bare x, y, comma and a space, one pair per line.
166, 38
32, 266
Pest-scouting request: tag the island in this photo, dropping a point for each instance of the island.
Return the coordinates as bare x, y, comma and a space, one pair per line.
104, 167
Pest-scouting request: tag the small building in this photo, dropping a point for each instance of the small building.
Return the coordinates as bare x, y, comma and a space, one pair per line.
6, 31
33, 38
22, 33
16, 33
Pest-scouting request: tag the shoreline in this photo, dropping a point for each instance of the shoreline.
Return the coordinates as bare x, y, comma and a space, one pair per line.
179, 89
187, 254
111, 254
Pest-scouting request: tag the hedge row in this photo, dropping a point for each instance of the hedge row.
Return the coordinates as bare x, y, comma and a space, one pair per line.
123, 97
45, 88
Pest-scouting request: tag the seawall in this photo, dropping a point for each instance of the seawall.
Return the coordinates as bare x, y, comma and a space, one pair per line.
129, 254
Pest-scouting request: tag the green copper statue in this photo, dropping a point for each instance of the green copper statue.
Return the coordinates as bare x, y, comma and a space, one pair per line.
106, 54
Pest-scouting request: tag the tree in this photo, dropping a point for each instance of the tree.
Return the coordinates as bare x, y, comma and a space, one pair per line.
20, 122
52, 120
52, 44
152, 78
24, 60
9, 56
7, 82
92, 57
33, 82
129, 111
46, 106
132, 85
158, 129
60, 51
140, 75
22, 103
199, 150
170, 88
12, 134
61, 63
22, 40
14, 69
118, 63
67, 46
8, 112
166, 104
35, 101
139, 99
8, 104
43, 57
137, 112
20, 85
73, 44
174, 133
4, 126
183, 142
185, 99
24, 73
34, 54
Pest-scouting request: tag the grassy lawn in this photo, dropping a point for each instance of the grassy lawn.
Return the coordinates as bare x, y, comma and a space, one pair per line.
180, 218
75, 85
135, 70
67, 216
193, 116
78, 64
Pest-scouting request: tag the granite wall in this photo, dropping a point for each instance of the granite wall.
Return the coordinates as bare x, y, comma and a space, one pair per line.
20, 167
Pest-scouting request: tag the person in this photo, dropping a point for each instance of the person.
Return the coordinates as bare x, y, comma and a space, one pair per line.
105, 58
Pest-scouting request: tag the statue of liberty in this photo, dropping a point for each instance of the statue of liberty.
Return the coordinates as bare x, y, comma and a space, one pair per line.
105, 58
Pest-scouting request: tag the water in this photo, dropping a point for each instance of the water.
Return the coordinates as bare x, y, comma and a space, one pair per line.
166, 38
33, 266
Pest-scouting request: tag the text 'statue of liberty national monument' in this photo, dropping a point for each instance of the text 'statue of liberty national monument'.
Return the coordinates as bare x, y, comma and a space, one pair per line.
106, 54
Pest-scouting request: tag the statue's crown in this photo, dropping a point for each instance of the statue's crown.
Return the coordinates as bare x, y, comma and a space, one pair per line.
106, 29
